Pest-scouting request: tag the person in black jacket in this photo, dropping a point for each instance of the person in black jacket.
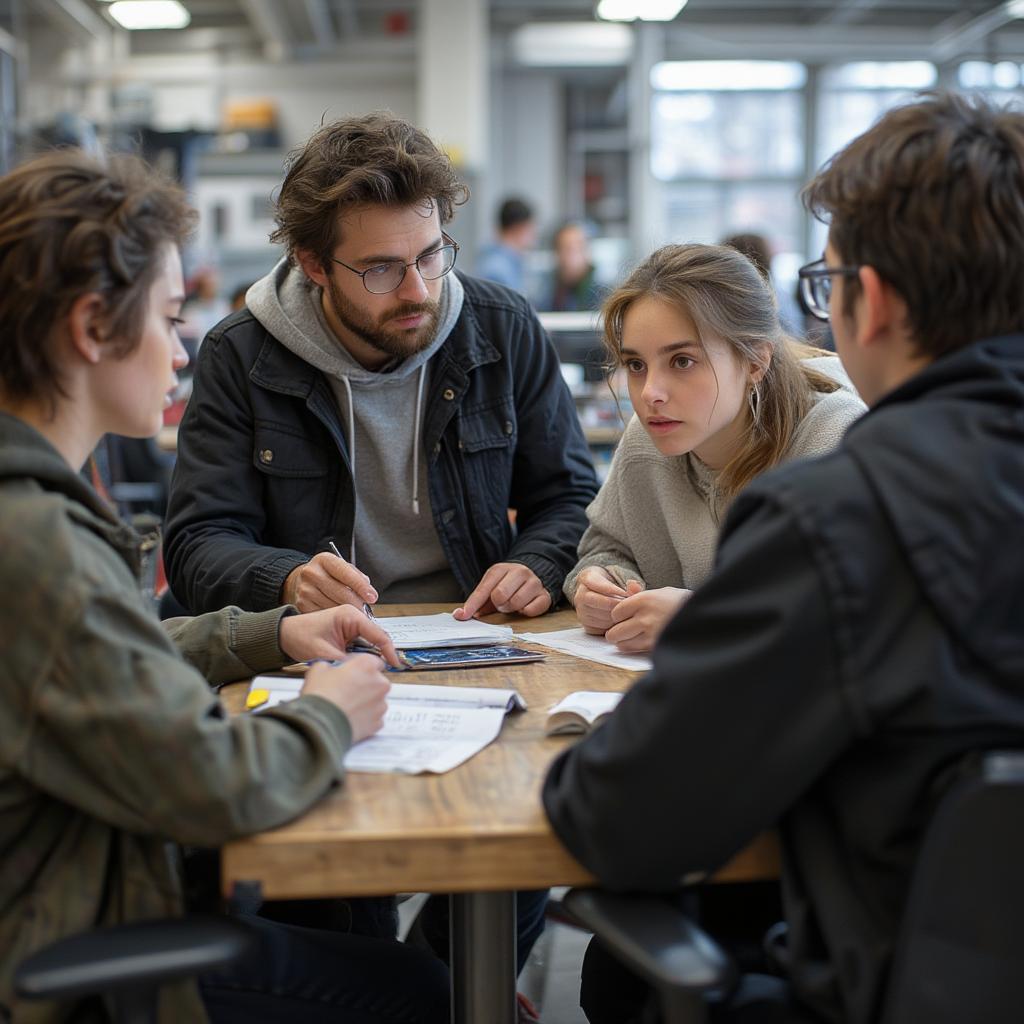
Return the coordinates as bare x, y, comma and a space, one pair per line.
863, 631
369, 398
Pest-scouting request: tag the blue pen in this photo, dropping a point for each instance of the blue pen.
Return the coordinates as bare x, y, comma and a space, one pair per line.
367, 610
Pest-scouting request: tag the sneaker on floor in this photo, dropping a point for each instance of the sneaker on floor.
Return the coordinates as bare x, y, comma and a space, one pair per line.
527, 1011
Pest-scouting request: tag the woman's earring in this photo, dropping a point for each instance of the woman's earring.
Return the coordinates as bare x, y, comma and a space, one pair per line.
754, 400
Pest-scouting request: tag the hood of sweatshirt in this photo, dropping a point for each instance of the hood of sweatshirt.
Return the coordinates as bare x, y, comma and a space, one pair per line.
25, 455
377, 405
944, 454
290, 307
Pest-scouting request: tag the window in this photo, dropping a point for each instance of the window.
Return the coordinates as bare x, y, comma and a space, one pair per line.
852, 97
1001, 82
727, 144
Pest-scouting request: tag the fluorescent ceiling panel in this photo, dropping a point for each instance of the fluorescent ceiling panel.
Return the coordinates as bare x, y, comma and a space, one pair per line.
572, 44
643, 10
149, 14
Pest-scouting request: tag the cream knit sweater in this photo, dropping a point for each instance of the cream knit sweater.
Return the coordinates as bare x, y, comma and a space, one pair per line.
657, 517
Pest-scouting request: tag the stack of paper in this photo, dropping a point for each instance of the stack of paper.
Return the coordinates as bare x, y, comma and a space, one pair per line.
441, 630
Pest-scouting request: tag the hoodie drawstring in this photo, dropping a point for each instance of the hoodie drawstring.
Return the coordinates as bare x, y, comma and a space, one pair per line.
352, 462
416, 444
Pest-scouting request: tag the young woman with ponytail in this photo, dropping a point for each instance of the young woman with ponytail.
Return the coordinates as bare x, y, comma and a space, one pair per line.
720, 395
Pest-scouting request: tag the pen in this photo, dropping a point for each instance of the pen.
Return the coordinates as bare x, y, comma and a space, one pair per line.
367, 610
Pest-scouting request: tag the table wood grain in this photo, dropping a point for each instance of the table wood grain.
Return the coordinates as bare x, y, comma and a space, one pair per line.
478, 828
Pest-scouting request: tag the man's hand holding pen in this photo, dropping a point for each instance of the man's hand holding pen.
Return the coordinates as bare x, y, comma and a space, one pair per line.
331, 633
325, 581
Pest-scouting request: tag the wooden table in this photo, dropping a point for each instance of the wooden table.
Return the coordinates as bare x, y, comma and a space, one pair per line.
478, 831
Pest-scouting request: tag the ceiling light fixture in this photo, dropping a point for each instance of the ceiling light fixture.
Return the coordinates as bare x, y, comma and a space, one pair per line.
572, 44
1014, 8
149, 14
643, 10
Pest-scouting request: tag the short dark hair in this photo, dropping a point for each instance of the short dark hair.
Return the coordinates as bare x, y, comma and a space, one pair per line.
932, 197
71, 224
514, 212
755, 247
375, 159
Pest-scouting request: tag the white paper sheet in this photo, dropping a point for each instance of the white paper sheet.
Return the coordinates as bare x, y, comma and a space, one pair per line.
432, 739
441, 630
581, 644
426, 728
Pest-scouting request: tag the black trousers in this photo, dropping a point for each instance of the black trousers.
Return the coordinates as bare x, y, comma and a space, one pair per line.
304, 974
611, 994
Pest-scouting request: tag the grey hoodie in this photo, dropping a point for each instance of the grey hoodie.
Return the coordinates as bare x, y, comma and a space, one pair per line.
394, 540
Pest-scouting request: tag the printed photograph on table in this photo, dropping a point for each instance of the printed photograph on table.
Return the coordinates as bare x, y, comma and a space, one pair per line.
466, 657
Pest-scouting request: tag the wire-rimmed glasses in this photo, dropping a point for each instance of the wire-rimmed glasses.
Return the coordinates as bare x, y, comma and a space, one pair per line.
386, 277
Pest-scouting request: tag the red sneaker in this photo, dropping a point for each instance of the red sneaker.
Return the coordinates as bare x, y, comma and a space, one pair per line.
527, 1011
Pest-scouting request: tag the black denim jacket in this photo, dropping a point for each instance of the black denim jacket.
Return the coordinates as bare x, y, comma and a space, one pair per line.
500, 432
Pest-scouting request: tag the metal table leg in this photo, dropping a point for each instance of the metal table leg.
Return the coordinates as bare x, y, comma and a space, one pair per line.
483, 950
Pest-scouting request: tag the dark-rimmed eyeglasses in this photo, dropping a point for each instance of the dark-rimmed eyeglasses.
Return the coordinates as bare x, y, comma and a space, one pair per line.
386, 277
816, 286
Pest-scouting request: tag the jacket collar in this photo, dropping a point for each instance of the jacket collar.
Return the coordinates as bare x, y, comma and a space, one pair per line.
26, 455
960, 373
278, 369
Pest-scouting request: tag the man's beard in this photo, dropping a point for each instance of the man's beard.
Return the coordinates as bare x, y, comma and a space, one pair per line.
393, 341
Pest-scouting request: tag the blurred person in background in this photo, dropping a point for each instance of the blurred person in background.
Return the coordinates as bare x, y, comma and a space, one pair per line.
504, 260
758, 250
204, 307
237, 300
114, 743
572, 286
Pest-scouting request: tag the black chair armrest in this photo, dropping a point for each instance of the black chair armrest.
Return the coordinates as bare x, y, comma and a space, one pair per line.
658, 942
131, 956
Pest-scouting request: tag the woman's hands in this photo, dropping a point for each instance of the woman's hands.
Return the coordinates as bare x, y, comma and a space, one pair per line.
630, 617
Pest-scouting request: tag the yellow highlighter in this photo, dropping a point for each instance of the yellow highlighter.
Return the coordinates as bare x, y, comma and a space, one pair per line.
256, 698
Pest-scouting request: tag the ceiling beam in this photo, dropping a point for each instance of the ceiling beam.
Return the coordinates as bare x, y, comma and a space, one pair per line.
848, 13
349, 19
76, 17
950, 44
274, 33
321, 25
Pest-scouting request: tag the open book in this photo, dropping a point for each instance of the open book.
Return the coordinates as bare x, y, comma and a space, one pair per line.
580, 712
426, 728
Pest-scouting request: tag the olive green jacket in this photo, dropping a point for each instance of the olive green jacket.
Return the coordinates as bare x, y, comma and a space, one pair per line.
111, 740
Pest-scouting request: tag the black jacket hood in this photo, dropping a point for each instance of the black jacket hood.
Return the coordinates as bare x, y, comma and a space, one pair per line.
971, 429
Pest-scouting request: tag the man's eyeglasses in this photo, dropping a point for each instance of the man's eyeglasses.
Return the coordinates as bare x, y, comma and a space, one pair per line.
816, 286
386, 277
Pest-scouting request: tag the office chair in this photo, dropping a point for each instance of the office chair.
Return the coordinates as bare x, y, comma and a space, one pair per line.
127, 964
958, 954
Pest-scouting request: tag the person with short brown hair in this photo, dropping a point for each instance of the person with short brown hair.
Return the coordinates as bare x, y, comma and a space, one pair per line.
370, 397
504, 259
861, 637
113, 746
